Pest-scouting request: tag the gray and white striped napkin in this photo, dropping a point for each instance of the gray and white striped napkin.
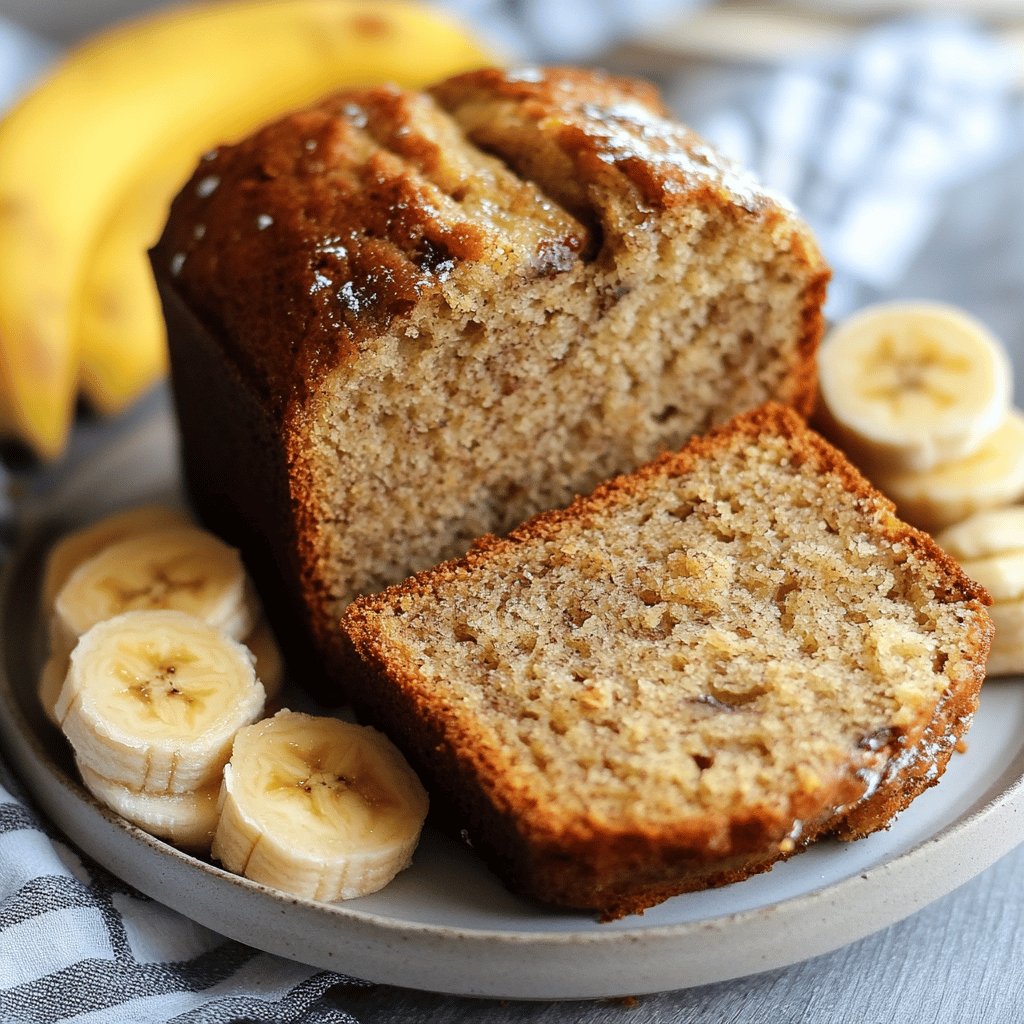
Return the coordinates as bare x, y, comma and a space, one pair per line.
873, 144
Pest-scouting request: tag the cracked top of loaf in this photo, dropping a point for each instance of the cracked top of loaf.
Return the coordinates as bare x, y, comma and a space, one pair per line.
334, 221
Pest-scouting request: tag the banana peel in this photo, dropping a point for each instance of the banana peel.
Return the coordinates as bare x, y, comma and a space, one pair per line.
88, 166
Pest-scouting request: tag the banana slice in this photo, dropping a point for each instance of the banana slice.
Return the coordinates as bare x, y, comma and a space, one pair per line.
994, 532
910, 386
186, 819
269, 663
75, 548
318, 807
1008, 616
51, 681
992, 476
153, 700
1001, 575
1007, 655
182, 567
990, 548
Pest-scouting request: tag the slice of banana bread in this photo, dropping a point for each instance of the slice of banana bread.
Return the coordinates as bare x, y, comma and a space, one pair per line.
400, 320
683, 677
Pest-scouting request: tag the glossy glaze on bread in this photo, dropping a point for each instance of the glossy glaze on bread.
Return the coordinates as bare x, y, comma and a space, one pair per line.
684, 677
398, 321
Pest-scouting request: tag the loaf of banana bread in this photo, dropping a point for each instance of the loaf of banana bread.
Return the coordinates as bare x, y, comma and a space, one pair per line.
400, 320
684, 677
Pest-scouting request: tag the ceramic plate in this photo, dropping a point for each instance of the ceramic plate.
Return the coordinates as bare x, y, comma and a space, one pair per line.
446, 924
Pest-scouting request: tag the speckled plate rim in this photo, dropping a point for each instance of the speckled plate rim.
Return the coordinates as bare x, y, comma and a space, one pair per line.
492, 962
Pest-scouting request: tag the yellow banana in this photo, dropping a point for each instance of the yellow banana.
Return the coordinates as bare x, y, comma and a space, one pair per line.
81, 156
121, 345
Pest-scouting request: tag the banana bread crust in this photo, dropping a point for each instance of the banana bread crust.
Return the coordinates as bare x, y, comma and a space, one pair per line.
370, 210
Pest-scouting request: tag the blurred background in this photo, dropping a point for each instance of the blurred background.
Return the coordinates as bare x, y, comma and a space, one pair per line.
696, 29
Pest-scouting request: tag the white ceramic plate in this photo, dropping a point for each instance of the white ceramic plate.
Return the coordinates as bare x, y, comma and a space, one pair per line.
446, 924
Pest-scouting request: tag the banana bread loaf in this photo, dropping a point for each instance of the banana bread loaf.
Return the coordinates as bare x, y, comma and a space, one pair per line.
398, 320
685, 676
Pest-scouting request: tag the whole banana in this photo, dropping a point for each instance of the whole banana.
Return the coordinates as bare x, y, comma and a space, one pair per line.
136, 106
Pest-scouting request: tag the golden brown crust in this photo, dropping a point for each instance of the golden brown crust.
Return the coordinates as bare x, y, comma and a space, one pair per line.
604, 147
240, 441
619, 868
301, 243
914, 767
304, 241
578, 132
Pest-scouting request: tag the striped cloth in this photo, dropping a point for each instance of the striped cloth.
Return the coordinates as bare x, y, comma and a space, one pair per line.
77, 944
870, 143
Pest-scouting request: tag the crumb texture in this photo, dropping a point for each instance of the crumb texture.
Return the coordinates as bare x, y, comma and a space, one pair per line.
465, 306
731, 636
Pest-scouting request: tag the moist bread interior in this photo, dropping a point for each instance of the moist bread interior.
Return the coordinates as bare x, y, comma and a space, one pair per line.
462, 392
725, 643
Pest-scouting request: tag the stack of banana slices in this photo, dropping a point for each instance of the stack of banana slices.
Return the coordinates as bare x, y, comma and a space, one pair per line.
160, 669
920, 396
990, 548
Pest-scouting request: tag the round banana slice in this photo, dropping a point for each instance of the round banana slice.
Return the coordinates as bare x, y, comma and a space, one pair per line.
188, 820
318, 807
269, 663
1007, 655
182, 567
936, 498
995, 532
153, 700
909, 386
990, 548
75, 548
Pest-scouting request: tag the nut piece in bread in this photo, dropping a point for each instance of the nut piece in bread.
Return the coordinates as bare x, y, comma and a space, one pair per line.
684, 677
400, 320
